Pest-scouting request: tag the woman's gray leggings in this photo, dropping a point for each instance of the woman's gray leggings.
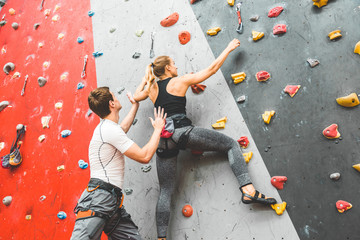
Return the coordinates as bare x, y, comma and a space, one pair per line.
199, 139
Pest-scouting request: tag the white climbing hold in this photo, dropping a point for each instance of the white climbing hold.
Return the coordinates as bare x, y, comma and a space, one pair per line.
15, 25
7, 200
58, 105
335, 176
41, 138
20, 126
45, 121
3, 105
2, 146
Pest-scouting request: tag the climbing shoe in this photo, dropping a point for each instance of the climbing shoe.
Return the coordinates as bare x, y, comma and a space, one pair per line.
257, 198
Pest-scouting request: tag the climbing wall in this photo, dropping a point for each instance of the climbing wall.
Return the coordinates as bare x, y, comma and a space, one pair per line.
292, 144
38, 189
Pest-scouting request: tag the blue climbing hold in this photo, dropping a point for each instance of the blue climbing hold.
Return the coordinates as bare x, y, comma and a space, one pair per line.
83, 164
65, 133
80, 85
61, 215
91, 13
97, 54
80, 40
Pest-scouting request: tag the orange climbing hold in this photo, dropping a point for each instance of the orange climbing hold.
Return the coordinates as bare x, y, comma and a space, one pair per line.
187, 211
357, 167
262, 76
320, 3
357, 48
184, 37
12, 11
231, 2
343, 206
351, 100
331, 131
292, 89
243, 141
279, 208
197, 88
267, 116
248, 156
335, 34
170, 20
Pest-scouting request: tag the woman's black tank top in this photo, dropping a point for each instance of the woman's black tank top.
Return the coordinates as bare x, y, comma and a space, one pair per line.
171, 104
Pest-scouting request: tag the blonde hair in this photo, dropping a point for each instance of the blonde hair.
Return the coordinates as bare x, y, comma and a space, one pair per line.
159, 65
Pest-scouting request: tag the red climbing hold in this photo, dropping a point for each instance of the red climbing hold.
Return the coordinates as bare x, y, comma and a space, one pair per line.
262, 76
343, 206
170, 20
192, 1
243, 141
292, 89
331, 132
275, 12
187, 211
279, 29
278, 181
196, 152
184, 37
197, 88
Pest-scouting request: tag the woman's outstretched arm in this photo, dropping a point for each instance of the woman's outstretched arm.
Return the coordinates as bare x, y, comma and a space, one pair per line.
143, 90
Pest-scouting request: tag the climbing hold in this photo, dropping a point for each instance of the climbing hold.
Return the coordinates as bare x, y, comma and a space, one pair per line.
91, 13
220, 124
89, 112
58, 105
2, 146
36, 26
97, 54
351, 100
170, 20
2, 3
41, 44
136, 55
80, 85
3, 49
19, 127
357, 48
257, 35
243, 141
45, 121
331, 132
57, 7
128, 191
192, 1
15, 25
7, 200
275, 12
55, 18
248, 156
343, 206
46, 65
16, 75
254, 18
267, 116
184, 37
28, 217
187, 211
313, 62
278, 181
65, 133
139, 33
42, 198
120, 90
357, 167
238, 77
320, 3
12, 11
41, 138
197, 88
8, 67
112, 29
146, 168
61, 36
80, 40
134, 122
42, 81
2, 23
196, 152
241, 99
231, 2
262, 76
292, 89
47, 12
213, 31
335, 176
60, 168
279, 29
83, 164
61, 215
279, 208
3, 105
335, 34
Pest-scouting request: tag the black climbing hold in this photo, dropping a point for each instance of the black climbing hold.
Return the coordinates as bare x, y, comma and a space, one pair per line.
9, 67
3, 105
42, 81
136, 55
135, 121
36, 25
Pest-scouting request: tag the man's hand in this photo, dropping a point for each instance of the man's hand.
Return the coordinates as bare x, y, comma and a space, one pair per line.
159, 121
233, 44
131, 98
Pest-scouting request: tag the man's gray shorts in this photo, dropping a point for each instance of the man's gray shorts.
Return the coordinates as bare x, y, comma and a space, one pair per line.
120, 226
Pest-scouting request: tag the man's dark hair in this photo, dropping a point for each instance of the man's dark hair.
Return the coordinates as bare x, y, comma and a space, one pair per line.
99, 101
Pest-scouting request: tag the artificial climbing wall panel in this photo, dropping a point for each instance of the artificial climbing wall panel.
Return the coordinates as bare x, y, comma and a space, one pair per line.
51, 51
292, 144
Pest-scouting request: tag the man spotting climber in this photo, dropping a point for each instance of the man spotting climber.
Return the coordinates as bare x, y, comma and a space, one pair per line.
100, 205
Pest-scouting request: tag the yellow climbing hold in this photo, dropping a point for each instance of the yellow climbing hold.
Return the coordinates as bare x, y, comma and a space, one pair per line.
60, 168
357, 167
248, 156
41, 138
279, 208
213, 31
335, 34
28, 217
357, 48
267, 116
220, 124
320, 3
257, 35
231, 2
61, 36
351, 100
238, 77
